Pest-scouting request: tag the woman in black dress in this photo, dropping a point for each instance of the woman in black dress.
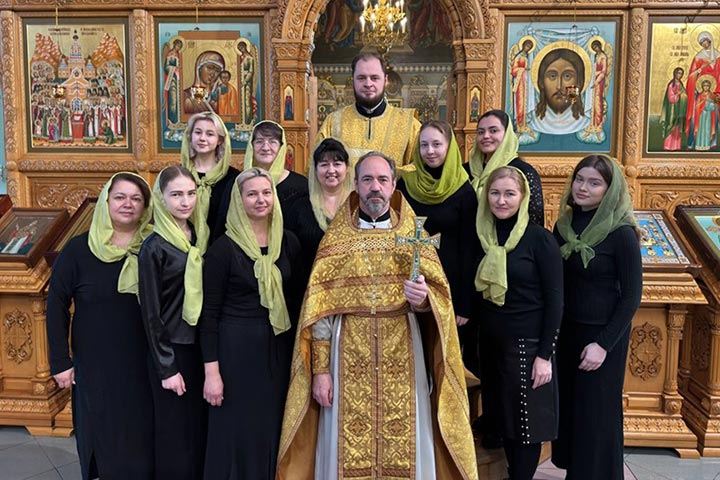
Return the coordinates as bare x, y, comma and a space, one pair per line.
267, 149
247, 334
520, 278
438, 189
330, 183
170, 300
603, 274
496, 145
97, 271
206, 153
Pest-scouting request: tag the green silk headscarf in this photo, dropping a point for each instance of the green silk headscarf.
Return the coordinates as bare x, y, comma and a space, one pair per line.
205, 184
506, 152
268, 274
316, 193
614, 211
278, 166
100, 238
167, 228
430, 191
491, 276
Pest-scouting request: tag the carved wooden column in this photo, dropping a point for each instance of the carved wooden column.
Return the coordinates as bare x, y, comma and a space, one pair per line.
686, 352
675, 322
293, 69
471, 69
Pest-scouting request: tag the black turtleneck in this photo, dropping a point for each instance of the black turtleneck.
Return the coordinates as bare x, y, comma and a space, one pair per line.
435, 172
534, 299
609, 290
373, 112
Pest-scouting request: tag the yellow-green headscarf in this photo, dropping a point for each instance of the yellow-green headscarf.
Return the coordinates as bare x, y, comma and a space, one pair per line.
205, 184
430, 191
316, 194
505, 153
266, 272
278, 165
100, 236
615, 210
167, 228
491, 276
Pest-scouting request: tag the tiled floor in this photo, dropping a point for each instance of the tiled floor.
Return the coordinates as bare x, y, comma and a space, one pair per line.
24, 457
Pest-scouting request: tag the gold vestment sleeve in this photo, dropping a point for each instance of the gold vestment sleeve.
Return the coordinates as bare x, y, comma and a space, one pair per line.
320, 356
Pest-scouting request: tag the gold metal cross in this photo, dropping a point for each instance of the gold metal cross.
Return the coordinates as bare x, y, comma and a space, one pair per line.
417, 242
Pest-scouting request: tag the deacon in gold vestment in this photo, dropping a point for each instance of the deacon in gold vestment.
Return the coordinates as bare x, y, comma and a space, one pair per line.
364, 329
372, 123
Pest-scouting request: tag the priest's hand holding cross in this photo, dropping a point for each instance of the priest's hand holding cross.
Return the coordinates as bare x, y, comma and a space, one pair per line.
416, 289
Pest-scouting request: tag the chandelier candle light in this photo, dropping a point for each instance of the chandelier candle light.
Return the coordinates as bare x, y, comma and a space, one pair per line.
383, 24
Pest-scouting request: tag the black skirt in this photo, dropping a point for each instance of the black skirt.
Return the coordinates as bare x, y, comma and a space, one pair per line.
528, 415
590, 440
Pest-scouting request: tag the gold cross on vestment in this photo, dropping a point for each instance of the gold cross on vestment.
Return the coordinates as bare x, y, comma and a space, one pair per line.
417, 242
373, 297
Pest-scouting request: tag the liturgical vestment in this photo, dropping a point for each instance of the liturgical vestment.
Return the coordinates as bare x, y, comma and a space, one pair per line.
394, 133
358, 278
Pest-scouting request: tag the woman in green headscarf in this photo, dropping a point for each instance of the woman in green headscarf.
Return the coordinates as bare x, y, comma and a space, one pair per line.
496, 145
246, 332
520, 280
267, 150
97, 272
603, 273
170, 265
206, 153
438, 189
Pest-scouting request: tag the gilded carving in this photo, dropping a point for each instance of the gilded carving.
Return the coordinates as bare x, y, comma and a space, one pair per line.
645, 351
672, 293
633, 113
700, 352
669, 199
139, 49
63, 195
17, 332
67, 165
672, 407
12, 189
7, 54
715, 408
633, 423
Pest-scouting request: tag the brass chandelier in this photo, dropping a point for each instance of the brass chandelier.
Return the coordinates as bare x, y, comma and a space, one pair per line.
382, 24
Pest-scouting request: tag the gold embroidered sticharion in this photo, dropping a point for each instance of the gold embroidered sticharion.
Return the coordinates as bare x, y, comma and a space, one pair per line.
377, 406
377, 403
393, 133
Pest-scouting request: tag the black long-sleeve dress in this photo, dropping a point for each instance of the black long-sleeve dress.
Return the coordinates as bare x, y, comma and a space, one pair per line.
525, 327
180, 421
219, 203
536, 207
300, 220
111, 400
600, 302
244, 432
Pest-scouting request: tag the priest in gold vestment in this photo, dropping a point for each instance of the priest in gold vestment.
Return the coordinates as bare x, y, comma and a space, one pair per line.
372, 123
377, 388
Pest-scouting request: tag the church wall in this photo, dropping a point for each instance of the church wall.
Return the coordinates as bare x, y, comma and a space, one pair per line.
480, 45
